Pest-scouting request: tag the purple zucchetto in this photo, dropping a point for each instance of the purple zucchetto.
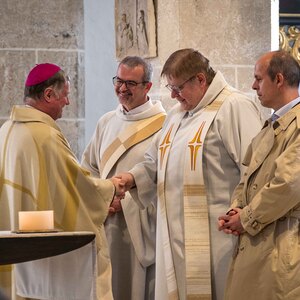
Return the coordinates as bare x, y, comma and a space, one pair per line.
41, 73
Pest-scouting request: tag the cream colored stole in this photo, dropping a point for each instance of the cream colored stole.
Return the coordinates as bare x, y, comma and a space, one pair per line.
162, 235
130, 136
196, 222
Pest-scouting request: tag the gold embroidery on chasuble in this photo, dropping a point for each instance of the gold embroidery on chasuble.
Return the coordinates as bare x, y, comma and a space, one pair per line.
195, 145
165, 144
4, 180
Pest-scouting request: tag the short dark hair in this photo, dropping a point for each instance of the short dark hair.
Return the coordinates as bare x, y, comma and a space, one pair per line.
284, 63
187, 62
134, 61
36, 91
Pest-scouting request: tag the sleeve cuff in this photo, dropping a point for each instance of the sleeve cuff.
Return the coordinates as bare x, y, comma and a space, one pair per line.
250, 224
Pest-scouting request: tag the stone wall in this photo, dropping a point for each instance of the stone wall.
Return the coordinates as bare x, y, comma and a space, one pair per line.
232, 34
79, 35
36, 31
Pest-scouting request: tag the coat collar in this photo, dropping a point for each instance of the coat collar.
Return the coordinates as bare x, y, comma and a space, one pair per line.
267, 138
284, 122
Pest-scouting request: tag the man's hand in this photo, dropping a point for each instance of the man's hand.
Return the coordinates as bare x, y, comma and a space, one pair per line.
115, 206
231, 222
119, 185
127, 179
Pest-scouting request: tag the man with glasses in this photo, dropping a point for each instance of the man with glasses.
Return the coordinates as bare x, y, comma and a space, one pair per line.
119, 142
197, 162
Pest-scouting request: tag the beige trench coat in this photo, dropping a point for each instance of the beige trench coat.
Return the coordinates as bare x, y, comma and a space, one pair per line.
266, 263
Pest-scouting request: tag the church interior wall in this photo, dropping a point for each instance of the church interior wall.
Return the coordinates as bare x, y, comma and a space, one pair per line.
79, 35
36, 31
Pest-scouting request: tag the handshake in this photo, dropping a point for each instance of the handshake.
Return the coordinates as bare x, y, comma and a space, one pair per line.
123, 182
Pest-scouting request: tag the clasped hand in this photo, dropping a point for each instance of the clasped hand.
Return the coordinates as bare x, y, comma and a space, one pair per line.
231, 222
119, 186
115, 205
123, 182
126, 179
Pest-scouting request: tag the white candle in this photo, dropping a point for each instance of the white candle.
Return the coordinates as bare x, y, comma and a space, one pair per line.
36, 220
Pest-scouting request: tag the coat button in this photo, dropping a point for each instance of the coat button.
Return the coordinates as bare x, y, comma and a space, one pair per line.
254, 187
254, 224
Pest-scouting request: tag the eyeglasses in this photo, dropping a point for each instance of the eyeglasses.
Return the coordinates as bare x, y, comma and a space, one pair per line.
118, 82
178, 89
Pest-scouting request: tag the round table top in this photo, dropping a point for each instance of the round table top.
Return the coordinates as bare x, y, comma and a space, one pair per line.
16, 247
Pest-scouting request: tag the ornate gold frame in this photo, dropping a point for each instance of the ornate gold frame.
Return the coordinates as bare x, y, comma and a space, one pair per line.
289, 40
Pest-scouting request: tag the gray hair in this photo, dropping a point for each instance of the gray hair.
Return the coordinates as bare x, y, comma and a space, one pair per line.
134, 61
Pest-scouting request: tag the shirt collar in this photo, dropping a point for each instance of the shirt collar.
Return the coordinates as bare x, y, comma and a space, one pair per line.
284, 109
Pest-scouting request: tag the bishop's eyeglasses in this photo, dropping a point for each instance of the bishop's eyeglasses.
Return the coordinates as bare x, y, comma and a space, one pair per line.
118, 82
